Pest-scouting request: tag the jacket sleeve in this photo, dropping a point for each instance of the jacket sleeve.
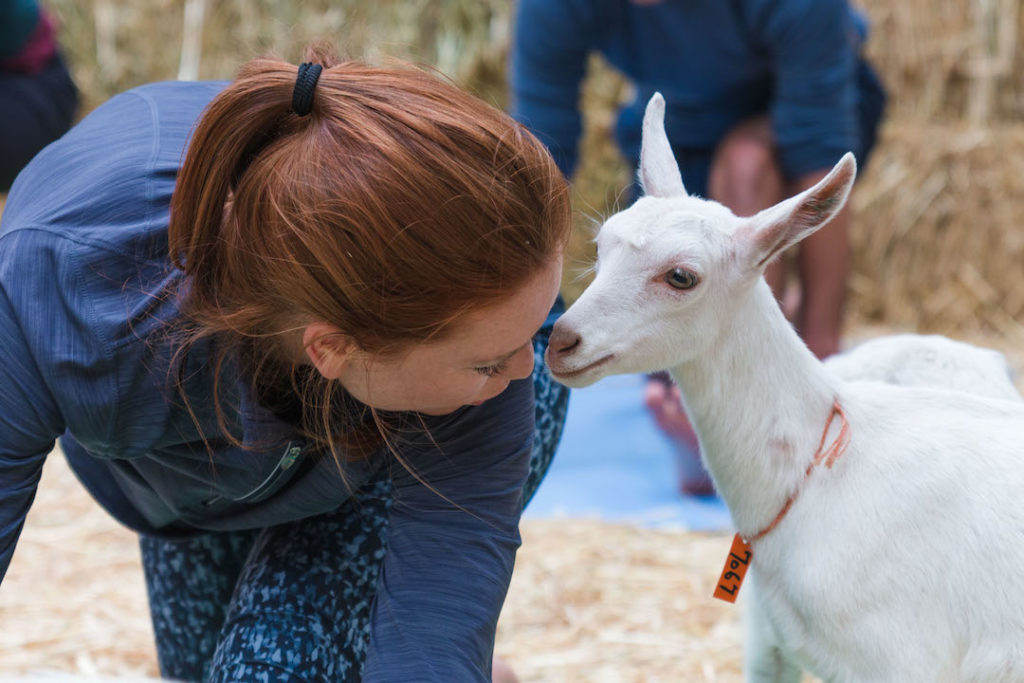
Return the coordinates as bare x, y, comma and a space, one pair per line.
454, 531
550, 47
814, 46
29, 424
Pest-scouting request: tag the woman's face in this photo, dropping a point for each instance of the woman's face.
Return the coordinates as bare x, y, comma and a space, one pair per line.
488, 349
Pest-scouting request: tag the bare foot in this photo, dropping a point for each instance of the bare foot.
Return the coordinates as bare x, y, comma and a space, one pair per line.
665, 404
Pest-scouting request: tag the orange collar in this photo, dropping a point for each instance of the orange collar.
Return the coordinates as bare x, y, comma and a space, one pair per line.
828, 456
740, 553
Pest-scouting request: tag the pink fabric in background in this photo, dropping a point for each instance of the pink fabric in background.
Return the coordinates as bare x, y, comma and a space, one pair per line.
37, 52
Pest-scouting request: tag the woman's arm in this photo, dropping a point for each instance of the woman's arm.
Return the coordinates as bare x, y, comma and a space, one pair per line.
29, 424
447, 569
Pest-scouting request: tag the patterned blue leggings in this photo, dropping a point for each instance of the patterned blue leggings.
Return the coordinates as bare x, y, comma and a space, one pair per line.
292, 602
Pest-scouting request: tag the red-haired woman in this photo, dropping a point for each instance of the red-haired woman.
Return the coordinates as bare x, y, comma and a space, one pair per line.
289, 330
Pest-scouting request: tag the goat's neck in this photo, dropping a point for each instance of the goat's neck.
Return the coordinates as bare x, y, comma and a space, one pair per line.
759, 401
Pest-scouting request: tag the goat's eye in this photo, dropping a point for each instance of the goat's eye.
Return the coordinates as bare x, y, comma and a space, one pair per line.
680, 278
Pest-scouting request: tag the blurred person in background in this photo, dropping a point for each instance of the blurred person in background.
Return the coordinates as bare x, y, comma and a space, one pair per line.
290, 330
762, 98
37, 96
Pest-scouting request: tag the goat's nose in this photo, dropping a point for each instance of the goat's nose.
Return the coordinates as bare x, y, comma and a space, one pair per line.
562, 342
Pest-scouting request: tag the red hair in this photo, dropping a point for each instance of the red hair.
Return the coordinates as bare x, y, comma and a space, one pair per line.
397, 204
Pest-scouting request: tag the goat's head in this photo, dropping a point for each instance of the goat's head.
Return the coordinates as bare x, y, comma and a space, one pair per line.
672, 268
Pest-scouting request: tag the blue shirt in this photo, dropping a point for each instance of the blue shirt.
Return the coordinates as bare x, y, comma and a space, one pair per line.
717, 62
86, 292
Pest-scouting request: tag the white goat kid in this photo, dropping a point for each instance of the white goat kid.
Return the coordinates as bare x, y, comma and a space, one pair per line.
901, 562
916, 360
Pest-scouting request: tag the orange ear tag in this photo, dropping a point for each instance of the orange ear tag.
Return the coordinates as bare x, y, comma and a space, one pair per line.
736, 566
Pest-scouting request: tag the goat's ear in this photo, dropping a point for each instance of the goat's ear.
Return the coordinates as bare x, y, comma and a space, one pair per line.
773, 230
659, 172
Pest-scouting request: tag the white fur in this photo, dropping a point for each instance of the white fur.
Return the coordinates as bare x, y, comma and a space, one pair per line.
927, 360
900, 563
905, 360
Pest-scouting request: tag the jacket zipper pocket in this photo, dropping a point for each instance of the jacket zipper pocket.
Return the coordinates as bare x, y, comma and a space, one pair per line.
292, 454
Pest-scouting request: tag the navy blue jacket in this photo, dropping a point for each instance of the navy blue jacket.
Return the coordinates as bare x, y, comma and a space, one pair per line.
86, 290
717, 62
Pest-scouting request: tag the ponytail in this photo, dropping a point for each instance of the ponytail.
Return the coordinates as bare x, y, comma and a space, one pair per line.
237, 124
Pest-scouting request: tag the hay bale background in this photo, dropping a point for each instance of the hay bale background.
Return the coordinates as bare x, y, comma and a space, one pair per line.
938, 241
74, 598
110, 43
592, 601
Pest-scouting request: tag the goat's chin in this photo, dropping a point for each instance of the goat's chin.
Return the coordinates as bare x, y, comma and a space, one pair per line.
579, 375
578, 381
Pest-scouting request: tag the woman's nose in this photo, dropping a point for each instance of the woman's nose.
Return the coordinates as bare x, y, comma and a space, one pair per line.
521, 365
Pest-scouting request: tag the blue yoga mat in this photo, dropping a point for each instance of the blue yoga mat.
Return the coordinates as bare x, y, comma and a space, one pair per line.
615, 464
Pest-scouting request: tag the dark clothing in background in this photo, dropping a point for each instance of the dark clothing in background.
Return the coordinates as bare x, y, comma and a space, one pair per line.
38, 99
716, 62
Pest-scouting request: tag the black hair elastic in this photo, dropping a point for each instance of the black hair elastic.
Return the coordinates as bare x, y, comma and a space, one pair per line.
305, 83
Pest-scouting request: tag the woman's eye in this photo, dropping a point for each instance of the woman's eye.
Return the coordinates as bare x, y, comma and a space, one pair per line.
680, 278
492, 370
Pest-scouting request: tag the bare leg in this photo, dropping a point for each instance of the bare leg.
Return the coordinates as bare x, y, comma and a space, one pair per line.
666, 407
823, 264
746, 177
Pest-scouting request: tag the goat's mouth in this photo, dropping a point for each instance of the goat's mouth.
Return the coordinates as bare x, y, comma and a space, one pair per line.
563, 375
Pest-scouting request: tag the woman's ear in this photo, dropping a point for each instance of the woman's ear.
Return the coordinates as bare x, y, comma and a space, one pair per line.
328, 348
